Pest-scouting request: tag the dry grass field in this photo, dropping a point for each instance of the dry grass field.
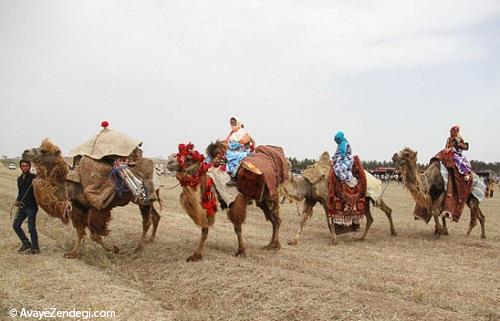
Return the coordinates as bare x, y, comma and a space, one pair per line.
409, 277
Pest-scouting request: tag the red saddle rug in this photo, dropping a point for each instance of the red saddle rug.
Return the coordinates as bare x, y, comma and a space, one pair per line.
347, 204
267, 167
458, 189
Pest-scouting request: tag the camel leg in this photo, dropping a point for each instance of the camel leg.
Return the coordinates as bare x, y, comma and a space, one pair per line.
331, 227
156, 220
98, 239
80, 234
388, 212
438, 229
369, 220
445, 228
306, 214
146, 223
78, 219
197, 254
475, 214
237, 214
481, 221
97, 222
271, 208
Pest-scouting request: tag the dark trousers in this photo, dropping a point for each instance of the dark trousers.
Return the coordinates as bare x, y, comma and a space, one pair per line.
24, 213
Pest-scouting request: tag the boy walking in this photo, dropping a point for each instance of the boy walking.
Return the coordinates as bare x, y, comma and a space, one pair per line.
27, 209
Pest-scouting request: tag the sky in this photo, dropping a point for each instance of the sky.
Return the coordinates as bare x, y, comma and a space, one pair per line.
390, 74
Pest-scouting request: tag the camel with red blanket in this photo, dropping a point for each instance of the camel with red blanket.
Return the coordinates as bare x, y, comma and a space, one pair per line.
203, 194
316, 186
441, 191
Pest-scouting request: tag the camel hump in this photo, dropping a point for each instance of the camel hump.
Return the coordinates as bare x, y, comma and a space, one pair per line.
324, 158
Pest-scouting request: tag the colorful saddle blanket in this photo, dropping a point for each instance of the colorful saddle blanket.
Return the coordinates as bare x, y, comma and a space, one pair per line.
458, 189
347, 204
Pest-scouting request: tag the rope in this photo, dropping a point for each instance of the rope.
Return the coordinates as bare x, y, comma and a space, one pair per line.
173, 186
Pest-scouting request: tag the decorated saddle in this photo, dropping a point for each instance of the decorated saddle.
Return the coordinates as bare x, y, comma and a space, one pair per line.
347, 204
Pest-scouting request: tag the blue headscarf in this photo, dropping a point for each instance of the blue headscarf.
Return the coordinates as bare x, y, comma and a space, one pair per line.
342, 142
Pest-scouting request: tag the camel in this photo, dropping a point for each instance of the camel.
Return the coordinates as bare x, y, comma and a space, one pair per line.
428, 191
64, 199
302, 191
193, 197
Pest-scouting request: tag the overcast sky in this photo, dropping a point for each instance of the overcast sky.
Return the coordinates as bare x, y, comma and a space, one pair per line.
389, 74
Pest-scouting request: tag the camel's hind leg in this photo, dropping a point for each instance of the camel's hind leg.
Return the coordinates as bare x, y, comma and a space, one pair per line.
237, 214
78, 218
271, 208
445, 227
475, 214
97, 223
369, 220
388, 212
146, 213
197, 254
306, 214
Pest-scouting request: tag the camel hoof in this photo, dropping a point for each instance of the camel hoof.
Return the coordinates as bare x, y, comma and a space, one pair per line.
293, 242
139, 248
271, 246
70, 255
483, 238
115, 249
393, 233
361, 239
150, 240
445, 232
240, 253
334, 242
194, 258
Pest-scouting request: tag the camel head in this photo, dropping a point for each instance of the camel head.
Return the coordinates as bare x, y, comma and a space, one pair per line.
294, 189
186, 163
45, 158
405, 157
217, 152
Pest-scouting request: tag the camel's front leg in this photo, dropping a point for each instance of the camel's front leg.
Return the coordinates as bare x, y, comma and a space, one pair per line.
438, 229
388, 212
331, 226
80, 233
155, 216
98, 239
146, 212
237, 214
271, 208
197, 254
306, 214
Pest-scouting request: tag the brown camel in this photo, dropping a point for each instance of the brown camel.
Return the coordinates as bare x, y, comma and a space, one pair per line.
308, 194
192, 199
428, 190
65, 199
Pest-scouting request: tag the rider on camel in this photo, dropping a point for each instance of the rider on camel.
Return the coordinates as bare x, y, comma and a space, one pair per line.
457, 145
239, 145
343, 160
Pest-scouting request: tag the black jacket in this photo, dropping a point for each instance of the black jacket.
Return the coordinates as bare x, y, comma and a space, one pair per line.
24, 186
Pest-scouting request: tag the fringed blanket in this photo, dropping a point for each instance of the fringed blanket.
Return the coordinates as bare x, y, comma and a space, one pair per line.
457, 190
267, 161
346, 204
227, 193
